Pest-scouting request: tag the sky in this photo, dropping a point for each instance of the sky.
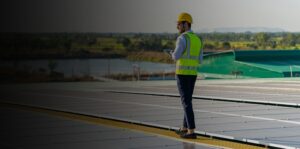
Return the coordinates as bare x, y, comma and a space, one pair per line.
146, 16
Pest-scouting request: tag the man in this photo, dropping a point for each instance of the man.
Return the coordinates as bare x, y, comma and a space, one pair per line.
187, 54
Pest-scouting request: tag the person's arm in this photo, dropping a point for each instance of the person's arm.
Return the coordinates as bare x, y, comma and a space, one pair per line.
201, 52
179, 49
201, 57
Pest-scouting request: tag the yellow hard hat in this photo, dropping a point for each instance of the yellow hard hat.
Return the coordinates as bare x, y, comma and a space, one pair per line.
185, 17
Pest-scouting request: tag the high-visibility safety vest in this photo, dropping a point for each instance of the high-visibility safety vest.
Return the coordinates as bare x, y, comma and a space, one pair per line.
188, 63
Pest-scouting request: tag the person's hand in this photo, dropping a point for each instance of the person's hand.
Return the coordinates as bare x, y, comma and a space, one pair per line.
168, 51
171, 52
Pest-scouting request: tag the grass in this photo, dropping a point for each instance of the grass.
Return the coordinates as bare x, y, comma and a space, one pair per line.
150, 56
143, 76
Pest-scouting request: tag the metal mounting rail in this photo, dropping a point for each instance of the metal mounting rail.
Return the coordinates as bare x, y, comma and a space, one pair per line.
201, 133
262, 102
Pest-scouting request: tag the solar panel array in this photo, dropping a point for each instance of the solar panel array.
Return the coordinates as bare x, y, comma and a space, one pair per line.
263, 123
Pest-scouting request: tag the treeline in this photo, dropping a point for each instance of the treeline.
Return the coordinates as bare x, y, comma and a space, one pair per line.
100, 45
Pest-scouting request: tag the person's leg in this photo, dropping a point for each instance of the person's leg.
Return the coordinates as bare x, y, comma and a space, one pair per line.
185, 84
182, 93
191, 120
192, 84
185, 126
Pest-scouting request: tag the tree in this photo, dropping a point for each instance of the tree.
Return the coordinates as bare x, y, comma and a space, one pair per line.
252, 45
168, 45
261, 39
150, 43
273, 44
209, 46
226, 45
289, 40
125, 41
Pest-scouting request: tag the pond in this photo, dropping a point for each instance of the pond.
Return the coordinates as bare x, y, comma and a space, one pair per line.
93, 67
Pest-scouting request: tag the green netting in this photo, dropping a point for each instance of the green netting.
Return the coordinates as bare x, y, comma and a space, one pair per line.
257, 64
267, 55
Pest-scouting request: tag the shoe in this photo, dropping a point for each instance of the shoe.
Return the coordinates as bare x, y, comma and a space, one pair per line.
188, 136
180, 131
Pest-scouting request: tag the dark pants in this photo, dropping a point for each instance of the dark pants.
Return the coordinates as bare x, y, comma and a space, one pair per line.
186, 84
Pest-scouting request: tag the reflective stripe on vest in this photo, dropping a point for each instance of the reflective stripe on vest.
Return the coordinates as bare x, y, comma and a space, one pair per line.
187, 67
190, 57
187, 64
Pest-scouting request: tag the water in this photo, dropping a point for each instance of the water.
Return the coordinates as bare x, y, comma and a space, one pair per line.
93, 67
